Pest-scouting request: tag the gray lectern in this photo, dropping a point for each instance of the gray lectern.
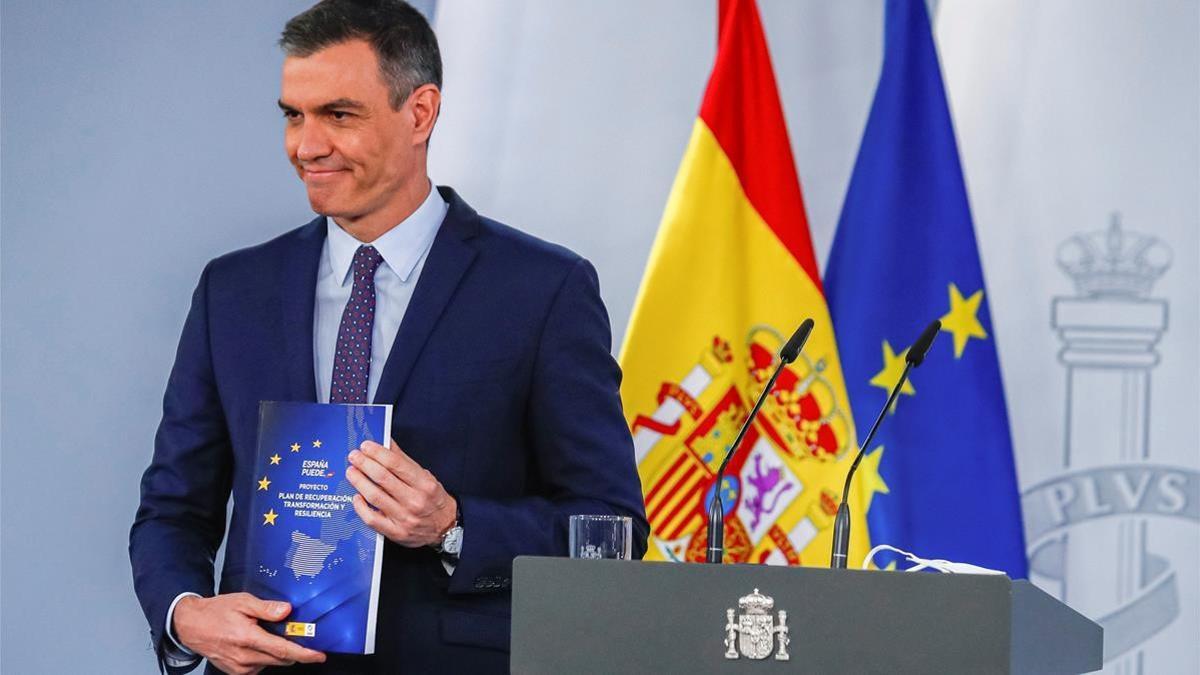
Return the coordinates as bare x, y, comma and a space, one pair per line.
611, 616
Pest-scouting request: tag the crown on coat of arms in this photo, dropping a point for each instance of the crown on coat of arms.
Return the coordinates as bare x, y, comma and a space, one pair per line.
803, 406
1114, 262
756, 603
721, 349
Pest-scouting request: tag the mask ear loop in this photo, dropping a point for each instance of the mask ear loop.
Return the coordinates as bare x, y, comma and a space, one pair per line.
920, 563
943, 566
866, 564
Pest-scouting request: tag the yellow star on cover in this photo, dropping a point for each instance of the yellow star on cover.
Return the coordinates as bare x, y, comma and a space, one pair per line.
295, 447
264, 483
961, 320
269, 517
275, 458
317, 443
893, 366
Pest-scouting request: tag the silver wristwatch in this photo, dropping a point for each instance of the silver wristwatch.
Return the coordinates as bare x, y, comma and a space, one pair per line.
451, 545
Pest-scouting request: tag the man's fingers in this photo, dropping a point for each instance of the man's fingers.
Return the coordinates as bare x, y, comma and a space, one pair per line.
396, 500
272, 646
411, 502
254, 660
380, 474
392, 475
368, 487
374, 520
269, 610
404, 467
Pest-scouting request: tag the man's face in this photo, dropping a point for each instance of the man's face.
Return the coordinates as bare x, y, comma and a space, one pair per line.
354, 153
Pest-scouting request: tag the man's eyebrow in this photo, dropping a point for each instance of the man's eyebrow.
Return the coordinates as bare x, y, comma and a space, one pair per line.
342, 103
336, 104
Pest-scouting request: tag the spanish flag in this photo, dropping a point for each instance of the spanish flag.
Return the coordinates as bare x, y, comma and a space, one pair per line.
731, 275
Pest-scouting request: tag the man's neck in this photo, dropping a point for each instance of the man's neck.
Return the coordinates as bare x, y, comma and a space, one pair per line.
370, 227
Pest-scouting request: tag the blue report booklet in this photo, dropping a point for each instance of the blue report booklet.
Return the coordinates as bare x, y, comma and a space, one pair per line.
307, 545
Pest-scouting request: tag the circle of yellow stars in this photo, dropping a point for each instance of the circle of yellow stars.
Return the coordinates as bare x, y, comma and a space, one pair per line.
265, 482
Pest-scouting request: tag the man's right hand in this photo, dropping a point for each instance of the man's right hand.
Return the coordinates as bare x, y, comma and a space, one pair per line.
225, 630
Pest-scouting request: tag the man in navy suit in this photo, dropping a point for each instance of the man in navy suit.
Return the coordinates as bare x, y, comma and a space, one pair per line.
493, 347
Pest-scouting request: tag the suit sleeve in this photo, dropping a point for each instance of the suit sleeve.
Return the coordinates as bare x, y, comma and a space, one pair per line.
581, 446
180, 520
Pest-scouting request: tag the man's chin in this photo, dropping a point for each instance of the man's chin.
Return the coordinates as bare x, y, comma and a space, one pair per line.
343, 215
332, 204
323, 205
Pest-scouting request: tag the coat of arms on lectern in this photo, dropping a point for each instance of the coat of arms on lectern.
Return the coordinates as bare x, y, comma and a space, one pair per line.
753, 633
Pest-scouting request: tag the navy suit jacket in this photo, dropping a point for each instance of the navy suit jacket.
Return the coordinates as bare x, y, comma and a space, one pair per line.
503, 386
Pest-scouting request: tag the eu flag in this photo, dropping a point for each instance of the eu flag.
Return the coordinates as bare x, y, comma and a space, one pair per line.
904, 254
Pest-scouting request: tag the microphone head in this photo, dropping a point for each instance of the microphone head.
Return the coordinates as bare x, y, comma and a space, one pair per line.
917, 352
792, 349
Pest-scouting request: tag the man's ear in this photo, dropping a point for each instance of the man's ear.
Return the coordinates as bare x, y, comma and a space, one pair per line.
425, 103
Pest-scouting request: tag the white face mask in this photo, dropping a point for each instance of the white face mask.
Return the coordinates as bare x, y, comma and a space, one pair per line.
944, 566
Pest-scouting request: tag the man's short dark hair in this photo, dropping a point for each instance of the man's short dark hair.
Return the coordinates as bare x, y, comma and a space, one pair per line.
403, 42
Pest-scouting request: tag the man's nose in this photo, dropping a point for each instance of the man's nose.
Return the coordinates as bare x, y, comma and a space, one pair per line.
313, 143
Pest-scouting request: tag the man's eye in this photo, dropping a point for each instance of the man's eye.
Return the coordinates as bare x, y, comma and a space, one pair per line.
340, 115
291, 115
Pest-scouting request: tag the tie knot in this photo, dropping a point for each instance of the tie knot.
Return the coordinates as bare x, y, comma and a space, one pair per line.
366, 261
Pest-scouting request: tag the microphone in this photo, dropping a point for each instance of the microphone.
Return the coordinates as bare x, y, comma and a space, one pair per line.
841, 525
716, 510
916, 353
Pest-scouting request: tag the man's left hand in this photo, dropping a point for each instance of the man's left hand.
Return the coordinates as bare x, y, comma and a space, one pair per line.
411, 506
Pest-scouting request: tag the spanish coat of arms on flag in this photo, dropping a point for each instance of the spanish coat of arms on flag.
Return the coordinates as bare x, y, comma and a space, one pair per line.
731, 274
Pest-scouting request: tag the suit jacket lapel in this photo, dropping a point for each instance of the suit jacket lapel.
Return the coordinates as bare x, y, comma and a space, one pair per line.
298, 280
449, 258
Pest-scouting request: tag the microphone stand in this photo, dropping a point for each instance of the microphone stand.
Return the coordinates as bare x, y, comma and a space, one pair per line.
841, 524
716, 509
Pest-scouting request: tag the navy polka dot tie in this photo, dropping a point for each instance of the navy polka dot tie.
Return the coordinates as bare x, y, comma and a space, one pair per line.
352, 360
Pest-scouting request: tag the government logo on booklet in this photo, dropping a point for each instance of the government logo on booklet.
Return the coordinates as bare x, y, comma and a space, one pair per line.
300, 629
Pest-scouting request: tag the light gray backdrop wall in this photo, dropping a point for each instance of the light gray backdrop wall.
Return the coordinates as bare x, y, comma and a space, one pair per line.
140, 139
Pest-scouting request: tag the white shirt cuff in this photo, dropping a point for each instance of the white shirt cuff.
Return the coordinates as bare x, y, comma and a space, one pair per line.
174, 653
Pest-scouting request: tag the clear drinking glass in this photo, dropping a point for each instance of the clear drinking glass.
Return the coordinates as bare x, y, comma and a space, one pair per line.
601, 537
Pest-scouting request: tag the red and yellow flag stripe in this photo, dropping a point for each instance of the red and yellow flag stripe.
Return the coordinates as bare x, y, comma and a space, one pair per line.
731, 274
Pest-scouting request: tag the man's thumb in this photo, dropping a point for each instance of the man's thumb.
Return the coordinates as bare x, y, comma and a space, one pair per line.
272, 610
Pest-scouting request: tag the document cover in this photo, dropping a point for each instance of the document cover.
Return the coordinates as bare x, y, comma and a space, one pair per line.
307, 545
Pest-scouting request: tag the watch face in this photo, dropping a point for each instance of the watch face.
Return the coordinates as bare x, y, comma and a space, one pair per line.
452, 542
